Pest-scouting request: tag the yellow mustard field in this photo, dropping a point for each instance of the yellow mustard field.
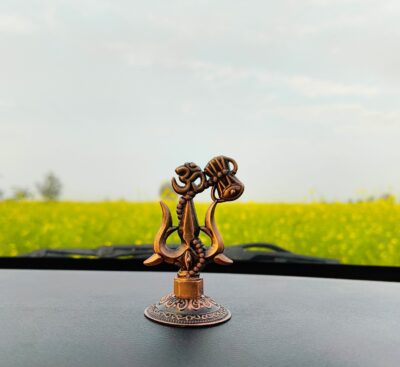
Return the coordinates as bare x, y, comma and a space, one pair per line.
361, 233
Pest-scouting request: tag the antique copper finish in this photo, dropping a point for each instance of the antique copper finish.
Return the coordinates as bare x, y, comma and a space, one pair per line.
187, 305
188, 288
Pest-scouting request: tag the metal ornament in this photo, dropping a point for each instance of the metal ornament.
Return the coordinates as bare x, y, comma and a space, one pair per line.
187, 305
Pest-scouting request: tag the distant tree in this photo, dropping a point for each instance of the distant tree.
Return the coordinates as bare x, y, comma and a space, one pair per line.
20, 193
1, 194
389, 198
167, 193
50, 188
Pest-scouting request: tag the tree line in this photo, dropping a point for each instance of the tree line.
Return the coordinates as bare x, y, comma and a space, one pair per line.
49, 189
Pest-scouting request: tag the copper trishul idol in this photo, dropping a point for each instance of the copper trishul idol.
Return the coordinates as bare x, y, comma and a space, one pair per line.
187, 305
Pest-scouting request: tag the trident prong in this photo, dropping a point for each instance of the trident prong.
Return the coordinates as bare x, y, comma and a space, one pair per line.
192, 255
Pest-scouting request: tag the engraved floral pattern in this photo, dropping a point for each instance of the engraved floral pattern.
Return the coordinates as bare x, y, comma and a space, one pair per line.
220, 315
193, 304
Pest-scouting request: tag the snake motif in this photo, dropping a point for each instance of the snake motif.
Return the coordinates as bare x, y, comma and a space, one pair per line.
191, 256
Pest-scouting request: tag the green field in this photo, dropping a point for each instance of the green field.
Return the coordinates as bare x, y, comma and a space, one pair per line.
362, 233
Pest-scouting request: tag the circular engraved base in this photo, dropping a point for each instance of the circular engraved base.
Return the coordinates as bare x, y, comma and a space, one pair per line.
194, 312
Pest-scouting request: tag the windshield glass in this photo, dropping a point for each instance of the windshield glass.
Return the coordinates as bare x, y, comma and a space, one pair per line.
101, 101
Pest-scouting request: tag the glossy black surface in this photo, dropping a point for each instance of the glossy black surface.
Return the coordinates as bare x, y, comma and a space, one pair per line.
95, 318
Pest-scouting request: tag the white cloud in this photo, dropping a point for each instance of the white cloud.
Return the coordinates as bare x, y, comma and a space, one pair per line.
314, 87
342, 118
302, 84
6, 103
10, 23
140, 56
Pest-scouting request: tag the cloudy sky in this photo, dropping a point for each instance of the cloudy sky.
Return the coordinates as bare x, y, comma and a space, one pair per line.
113, 95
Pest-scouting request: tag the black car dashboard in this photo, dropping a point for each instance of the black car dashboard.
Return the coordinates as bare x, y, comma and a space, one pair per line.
74, 318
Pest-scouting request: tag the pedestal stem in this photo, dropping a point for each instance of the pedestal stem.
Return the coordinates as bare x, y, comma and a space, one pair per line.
188, 288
